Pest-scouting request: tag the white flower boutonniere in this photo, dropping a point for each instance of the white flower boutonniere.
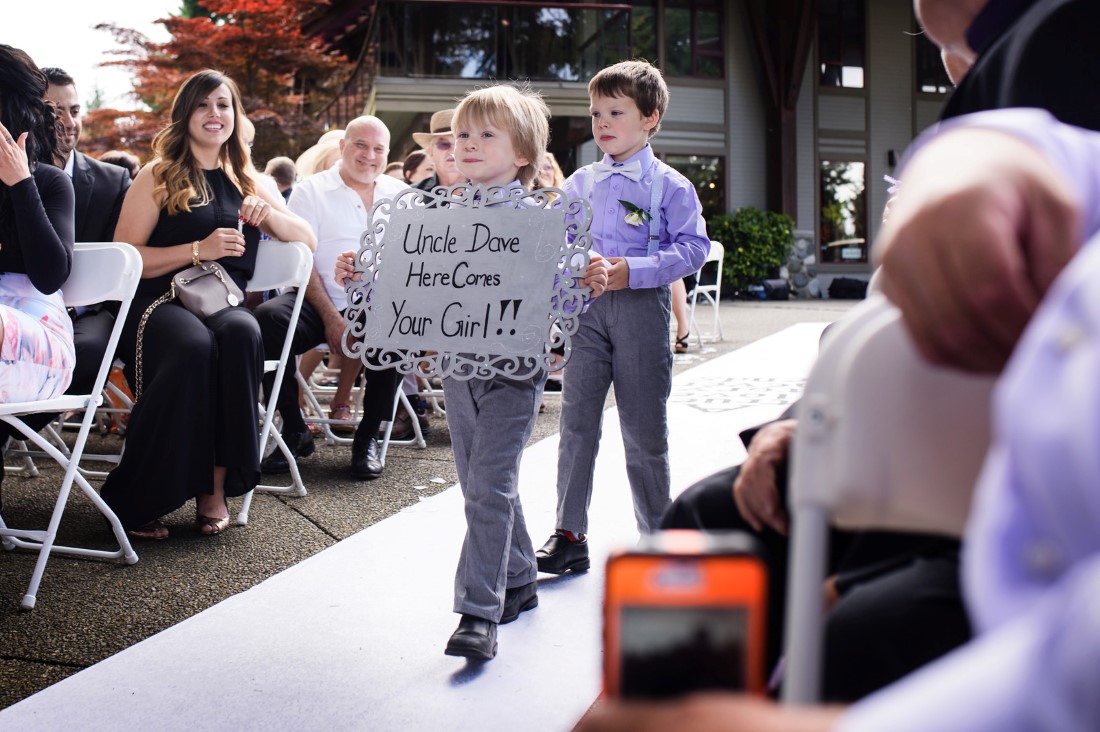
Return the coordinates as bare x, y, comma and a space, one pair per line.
635, 216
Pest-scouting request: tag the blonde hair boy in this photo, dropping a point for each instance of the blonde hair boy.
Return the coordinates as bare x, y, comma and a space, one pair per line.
518, 110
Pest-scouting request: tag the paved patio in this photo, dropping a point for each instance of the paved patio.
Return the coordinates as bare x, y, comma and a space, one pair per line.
89, 611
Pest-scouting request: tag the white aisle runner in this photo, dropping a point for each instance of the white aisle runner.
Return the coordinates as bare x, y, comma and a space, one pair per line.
352, 638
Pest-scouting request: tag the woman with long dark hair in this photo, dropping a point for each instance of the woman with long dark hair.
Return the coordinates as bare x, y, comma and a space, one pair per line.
193, 430
36, 241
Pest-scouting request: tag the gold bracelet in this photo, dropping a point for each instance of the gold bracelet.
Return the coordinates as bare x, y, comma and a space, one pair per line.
195, 253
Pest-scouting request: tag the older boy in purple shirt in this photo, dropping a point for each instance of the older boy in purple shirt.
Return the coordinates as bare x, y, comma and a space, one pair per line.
647, 222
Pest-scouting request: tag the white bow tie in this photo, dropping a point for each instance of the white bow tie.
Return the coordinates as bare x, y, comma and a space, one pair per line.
632, 170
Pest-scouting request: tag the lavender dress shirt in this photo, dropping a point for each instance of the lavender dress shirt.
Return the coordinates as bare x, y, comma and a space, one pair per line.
1031, 564
684, 243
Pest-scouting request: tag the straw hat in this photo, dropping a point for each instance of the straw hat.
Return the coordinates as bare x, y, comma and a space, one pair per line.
440, 125
306, 163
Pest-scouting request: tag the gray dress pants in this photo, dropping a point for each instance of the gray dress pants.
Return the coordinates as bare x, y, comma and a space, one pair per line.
622, 339
490, 422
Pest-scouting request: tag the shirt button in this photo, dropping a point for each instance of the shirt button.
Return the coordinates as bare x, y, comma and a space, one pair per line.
1042, 559
611, 210
1068, 339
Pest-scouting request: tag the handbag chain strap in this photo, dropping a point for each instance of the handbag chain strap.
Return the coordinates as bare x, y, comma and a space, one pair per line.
141, 338
210, 267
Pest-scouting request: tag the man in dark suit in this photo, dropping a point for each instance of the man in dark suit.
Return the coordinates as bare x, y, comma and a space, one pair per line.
99, 192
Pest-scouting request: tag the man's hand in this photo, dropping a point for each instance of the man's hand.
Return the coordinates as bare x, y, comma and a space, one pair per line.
755, 491
981, 226
618, 274
708, 713
334, 331
333, 319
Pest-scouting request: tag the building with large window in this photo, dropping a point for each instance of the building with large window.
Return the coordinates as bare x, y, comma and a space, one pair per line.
799, 106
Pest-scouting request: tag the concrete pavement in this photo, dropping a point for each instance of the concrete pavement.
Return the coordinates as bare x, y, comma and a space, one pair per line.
88, 611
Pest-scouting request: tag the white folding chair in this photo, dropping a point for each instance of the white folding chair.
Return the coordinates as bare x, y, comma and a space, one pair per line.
885, 440
315, 411
710, 292
279, 264
400, 401
100, 272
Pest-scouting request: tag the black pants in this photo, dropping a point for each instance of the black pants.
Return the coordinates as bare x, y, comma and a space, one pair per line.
900, 604
198, 409
274, 317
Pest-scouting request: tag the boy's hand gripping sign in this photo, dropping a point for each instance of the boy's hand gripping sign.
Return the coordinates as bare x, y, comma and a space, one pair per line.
469, 281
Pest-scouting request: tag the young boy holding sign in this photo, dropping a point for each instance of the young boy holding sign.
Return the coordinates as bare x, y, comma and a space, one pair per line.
501, 134
648, 223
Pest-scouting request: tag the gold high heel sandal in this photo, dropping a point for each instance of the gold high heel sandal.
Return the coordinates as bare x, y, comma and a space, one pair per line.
210, 525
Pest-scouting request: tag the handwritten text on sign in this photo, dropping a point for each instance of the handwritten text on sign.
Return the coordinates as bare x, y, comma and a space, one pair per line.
467, 280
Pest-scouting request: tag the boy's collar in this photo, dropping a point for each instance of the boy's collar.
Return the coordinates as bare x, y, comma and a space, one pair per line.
643, 156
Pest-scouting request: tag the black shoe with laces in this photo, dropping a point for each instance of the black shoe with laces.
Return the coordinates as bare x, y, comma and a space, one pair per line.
300, 445
366, 463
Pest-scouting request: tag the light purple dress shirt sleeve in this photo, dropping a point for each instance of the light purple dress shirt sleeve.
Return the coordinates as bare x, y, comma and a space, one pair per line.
1031, 564
684, 243
1074, 150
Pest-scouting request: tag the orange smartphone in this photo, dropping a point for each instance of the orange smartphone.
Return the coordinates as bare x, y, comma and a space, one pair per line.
685, 612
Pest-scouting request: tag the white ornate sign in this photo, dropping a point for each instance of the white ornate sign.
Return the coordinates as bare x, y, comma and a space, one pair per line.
469, 281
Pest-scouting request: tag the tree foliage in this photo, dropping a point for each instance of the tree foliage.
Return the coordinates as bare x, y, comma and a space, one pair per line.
282, 73
756, 242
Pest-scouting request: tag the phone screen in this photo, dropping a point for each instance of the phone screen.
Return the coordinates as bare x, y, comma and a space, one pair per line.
667, 651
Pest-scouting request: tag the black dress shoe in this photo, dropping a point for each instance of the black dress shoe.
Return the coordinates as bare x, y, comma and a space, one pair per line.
365, 463
518, 599
475, 638
560, 555
300, 445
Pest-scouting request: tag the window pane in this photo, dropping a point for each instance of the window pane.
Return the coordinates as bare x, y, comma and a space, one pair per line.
442, 40
678, 41
931, 75
708, 32
644, 32
843, 223
500, 41
707, 67
563, 43
708, 176
841, 43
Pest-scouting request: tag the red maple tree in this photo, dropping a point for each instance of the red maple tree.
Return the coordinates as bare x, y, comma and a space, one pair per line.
282, 74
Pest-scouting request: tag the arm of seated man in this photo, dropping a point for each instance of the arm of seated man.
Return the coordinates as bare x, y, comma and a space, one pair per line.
755, 490
317, 297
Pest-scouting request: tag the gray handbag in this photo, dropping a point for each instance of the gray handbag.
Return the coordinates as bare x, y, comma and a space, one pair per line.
204, 289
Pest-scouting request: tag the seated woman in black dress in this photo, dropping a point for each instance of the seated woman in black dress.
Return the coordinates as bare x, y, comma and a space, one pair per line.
36, 242
193, 430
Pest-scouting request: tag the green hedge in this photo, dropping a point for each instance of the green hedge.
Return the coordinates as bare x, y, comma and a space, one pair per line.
756, 243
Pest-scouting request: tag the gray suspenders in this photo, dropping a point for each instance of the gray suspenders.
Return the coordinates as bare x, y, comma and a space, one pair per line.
657, 192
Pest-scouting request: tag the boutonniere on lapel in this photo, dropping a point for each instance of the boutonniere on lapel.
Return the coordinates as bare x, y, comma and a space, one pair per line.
635, 215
